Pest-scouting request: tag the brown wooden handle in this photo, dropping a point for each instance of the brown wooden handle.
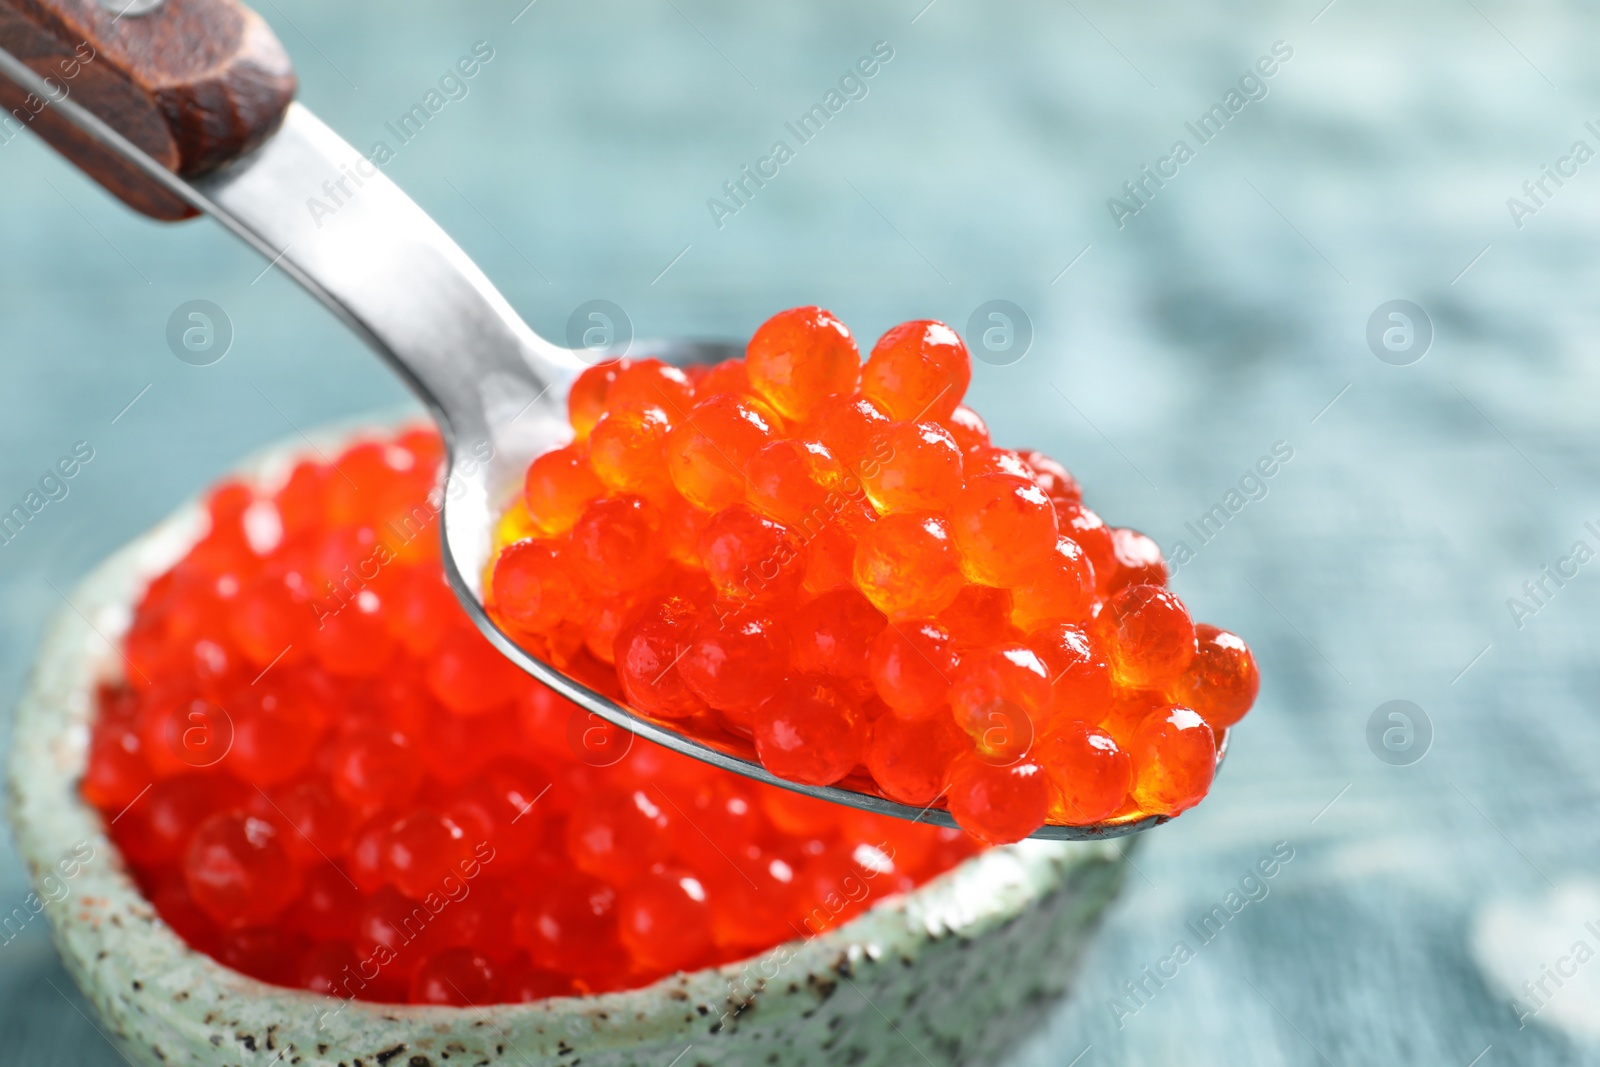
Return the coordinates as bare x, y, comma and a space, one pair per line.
193, 83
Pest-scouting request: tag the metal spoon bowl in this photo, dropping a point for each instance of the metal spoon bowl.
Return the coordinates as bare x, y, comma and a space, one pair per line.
328, 217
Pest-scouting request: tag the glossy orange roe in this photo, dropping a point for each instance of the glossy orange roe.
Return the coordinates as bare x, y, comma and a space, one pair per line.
1221, 681
847, 580
323, 776
801, 357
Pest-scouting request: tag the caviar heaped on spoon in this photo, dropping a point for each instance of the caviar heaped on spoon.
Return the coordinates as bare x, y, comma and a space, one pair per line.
828, 565
321, 774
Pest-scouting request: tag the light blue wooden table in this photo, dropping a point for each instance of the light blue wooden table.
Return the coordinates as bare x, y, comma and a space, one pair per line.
1226, 313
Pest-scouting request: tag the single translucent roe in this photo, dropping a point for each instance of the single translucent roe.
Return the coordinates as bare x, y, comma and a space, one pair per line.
918, 370
801, 357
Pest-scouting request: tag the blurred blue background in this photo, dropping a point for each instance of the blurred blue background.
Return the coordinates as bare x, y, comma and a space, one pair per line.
1227, 314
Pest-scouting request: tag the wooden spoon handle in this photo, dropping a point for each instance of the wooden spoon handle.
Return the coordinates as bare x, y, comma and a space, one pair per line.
195, 84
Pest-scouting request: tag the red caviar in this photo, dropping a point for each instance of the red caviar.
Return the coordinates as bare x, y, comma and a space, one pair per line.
829, 566
322, 775
801, 357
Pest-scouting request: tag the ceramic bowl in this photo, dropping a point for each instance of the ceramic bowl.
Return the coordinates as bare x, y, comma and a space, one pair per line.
952, 973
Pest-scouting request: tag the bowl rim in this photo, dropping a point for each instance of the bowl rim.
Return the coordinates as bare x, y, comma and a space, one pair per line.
49, 817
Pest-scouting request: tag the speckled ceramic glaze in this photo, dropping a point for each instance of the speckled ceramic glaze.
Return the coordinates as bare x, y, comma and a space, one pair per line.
949, 974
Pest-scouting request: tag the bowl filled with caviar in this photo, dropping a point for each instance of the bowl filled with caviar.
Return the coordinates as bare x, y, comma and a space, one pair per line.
312, 815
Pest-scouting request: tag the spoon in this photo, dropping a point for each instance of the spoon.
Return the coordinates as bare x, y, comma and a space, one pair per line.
125, 90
